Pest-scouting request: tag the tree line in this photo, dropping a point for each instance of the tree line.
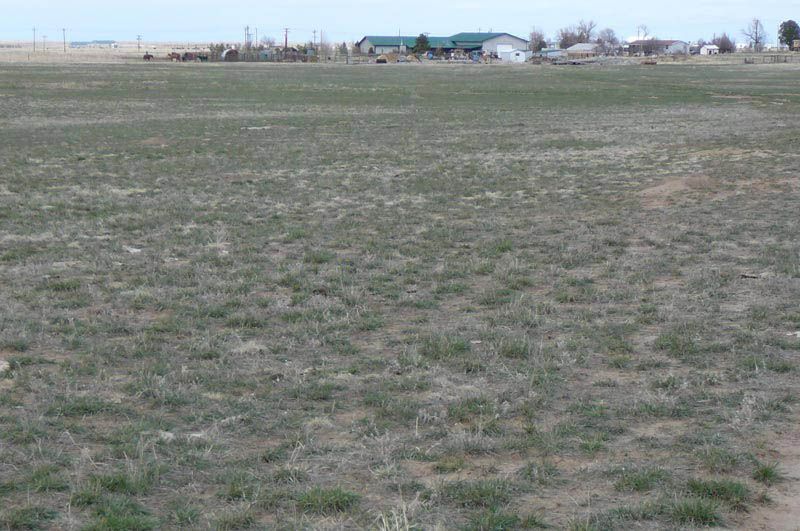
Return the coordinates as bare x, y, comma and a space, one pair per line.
586, 32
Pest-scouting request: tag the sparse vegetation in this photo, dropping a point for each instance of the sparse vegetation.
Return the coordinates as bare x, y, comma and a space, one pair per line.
467, 297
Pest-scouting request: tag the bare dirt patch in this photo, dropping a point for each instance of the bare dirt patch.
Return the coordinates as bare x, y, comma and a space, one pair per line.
155, 141
784, 511
672, 190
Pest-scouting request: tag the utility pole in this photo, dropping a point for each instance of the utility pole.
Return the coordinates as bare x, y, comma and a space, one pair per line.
285, 38
44, 43
247, 37
64, 35
256, 37
314, 40
138, 43
34, 39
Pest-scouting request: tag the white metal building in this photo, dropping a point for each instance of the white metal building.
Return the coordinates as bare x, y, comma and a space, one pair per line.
515, 56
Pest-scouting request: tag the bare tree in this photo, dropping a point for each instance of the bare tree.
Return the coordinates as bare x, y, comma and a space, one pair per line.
650, 46
568, 37
571, 35
642, 32
608, 40
724, 43
537, 40
755, 35
268, 42
586, 30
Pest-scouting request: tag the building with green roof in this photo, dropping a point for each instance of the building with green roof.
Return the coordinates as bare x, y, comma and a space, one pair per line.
489, 43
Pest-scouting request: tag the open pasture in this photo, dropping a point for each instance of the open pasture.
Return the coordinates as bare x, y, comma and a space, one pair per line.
398, 297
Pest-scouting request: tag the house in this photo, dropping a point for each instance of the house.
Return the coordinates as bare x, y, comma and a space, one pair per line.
583, 50
658, 47
516, 56
709, 49
487, 43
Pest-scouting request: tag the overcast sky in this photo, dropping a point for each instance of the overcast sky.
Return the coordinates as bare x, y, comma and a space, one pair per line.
346, 20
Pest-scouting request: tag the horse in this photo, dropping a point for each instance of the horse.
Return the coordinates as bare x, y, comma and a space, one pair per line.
148, 57
174, 56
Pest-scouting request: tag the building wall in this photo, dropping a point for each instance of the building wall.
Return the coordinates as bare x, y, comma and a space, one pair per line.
516, 56
678, 48
378, 50
490, 46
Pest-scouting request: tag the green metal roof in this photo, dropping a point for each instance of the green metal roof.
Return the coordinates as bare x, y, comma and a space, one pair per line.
477, 38
440, 42
397, 40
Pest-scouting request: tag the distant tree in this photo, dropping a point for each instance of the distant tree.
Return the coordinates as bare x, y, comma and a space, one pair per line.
754, 32
608, 40
537, 40
422, 45
571, 35
701, 42
725, 43
788, 32
586, 30
568, 37
650, 46
343, 49
268, 42
642, 32
217, 49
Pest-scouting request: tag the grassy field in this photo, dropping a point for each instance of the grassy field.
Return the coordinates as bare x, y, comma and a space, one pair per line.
240, 296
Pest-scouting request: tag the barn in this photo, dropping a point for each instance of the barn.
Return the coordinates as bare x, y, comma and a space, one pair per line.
487, 43
230, 55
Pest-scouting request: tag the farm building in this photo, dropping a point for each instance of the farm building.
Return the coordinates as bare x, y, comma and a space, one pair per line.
489, 43
658, 47
583, 50
516, 56
93, 44
709, 49
551, 53
230, 55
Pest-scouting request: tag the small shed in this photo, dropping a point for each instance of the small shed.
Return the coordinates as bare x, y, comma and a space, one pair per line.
230, 55
516, 56
709, 49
